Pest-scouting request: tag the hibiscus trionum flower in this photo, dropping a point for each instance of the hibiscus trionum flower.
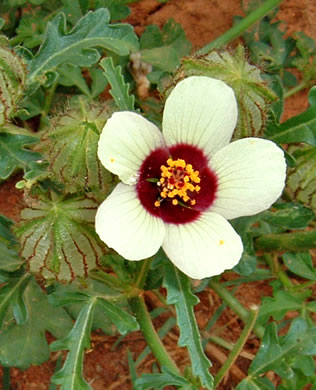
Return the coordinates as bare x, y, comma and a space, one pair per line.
180, 186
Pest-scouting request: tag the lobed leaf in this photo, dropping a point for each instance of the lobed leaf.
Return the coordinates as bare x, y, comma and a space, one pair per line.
300, 264
164, 49
179, 294
110, 308
14, 154
78, 46
277, 353
119, 88
160, 381
70, 375
278, 305
29, 337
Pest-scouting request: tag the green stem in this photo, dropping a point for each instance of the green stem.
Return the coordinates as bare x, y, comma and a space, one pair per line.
109, 279
242, 26
296, 89
6, 378
235, 305
237, 347
296, 241
142, 275
146, 326
48, 101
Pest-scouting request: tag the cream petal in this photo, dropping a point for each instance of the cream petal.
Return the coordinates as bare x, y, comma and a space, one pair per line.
124, 225
126, 140
251, 173
200, 111
203, 248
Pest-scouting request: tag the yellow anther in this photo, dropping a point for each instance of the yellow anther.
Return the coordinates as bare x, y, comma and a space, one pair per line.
221, 242
112, 160
177, 178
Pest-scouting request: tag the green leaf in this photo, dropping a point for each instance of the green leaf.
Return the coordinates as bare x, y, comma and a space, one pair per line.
300, 264
13, 153
301, 181
106, 313
10, 260
57, 237
255, 384
70, 376
164, 49
70, 75
74, 10
78, 46
117, 8
124, 321
31, 29
300, 128
29, 338
277, 353
119, 88
160, 381
278, 305
289, 215
12, 302
179, 294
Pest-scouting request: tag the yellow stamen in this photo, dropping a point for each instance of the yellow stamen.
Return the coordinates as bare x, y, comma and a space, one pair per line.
177, 179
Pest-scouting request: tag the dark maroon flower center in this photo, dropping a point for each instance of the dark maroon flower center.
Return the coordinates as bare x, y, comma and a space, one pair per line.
176, 184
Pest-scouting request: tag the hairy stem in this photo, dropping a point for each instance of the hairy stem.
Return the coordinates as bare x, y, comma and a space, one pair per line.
296, 241
235, 305
237, 347
242, 26
296, 89
146, 326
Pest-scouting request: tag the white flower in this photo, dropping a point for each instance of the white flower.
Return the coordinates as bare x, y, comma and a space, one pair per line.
180, 186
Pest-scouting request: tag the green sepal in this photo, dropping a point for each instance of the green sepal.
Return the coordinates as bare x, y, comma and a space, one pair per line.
71, 143
252, 92
58, 238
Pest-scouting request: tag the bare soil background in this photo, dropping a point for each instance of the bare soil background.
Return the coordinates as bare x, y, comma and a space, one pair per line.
105, 365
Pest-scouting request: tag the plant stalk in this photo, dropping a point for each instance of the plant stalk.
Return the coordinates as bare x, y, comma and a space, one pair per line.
235, 305
153, 340
240, 27
237, 347
296, 241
